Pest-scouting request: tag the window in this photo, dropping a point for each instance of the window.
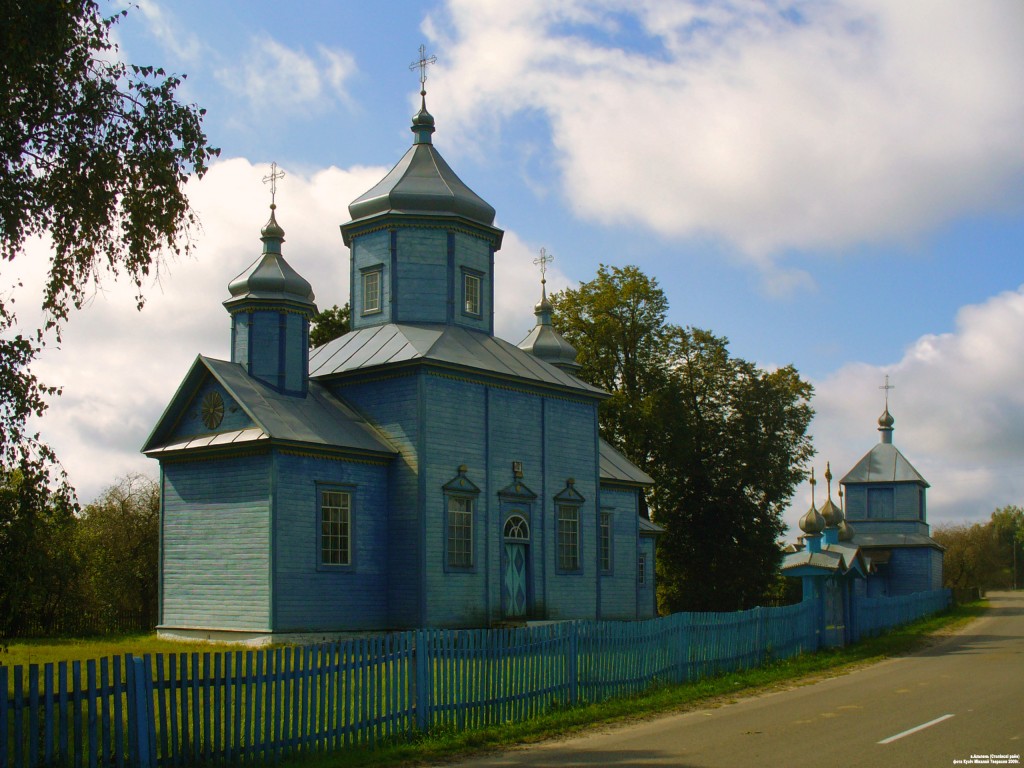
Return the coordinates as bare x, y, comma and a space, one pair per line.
568, 538
606, 542
335, 527
371, 291
460, 532
641, 568
471, 294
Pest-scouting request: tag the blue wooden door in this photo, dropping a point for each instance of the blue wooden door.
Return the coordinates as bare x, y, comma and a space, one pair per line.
515, 579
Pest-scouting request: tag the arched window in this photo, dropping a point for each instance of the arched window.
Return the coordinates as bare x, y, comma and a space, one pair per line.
517, 529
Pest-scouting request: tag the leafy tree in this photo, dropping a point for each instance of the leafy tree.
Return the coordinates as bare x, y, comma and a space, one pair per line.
329, 325
39, 567
725, 441
971, 558
118, 540
94, 155
617, 324
1008, 524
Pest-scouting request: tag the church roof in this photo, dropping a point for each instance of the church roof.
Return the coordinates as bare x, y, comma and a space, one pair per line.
877, 540
545, 342
421, 183
616, 468
446, 345
318, 419
884, 464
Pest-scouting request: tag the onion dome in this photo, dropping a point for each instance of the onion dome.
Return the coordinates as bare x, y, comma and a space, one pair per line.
546, 343
832, 514
812, 523
846, 532
422, 183
272, 279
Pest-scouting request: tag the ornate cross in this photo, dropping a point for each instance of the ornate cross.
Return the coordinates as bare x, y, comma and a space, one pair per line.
887, 386
272, 177
543, 260
423, 62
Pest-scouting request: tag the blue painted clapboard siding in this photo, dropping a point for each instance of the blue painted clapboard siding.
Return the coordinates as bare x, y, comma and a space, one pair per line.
369, 252
216, 543
393, 404
311, 597
421, 272
618, 588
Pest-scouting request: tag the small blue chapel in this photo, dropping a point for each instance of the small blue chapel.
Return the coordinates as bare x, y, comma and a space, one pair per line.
415, 472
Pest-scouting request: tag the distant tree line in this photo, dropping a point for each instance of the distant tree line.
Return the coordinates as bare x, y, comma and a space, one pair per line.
65, 571
986, 555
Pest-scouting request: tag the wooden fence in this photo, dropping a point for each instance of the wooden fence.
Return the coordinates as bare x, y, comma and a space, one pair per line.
259, 705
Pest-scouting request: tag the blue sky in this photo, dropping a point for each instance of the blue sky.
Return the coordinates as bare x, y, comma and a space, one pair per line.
837, 185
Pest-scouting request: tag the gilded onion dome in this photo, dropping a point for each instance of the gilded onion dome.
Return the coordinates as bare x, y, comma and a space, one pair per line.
812, 523
832, 513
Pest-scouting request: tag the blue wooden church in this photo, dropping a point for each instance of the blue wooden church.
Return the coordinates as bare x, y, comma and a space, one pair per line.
878, 543
416, 472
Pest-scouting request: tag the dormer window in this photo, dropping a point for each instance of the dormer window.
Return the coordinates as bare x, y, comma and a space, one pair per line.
471, 293
371, 291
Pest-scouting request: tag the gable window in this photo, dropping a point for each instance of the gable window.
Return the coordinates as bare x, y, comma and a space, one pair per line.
641, 568
371, 291
606, 542
460, 495
568, 537
471, 293
460, 532
335, 527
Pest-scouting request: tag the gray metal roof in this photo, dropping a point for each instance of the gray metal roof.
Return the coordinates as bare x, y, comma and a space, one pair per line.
872, 540
271, 277
450, 345
617, 468
831, 561
884, 464
649, 528
318, 419
422, 183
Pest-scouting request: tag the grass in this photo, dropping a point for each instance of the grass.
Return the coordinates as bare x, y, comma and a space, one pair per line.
27, 652
449, 744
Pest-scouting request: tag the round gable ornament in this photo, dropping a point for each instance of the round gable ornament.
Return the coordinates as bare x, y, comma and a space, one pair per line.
213, 410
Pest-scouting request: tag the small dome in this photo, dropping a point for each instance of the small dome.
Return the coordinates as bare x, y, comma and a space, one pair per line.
846, 531
885, 421
272, 278
548, 344
812, 523
831, 514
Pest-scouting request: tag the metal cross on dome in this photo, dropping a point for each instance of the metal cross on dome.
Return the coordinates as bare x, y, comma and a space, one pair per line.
272, 178
887, 386
543, 260
423, 62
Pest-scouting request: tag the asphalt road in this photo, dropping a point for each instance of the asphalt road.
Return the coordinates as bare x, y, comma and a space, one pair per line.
957, 701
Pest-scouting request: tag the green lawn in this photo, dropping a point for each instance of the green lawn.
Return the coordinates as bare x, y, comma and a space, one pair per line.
40, 652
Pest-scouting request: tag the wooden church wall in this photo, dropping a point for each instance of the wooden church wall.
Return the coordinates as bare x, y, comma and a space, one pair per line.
422, 273
215, 532
370, 251
618, 585
310, 596
646, 597
393, 404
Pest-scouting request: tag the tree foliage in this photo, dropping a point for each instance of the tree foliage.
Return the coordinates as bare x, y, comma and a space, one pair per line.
94, 156
329, 325
984, 555
725, 441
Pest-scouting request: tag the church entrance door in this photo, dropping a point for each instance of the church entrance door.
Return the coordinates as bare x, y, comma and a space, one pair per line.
515, 581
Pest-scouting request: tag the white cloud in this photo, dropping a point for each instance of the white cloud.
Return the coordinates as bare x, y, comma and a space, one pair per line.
165, 28
768, 126
289, 78
959, 411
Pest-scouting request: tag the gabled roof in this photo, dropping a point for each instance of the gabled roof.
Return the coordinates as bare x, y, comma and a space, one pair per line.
649, 528
447, 345
841, 558
871, 540
319, 419
884, 464
616, 468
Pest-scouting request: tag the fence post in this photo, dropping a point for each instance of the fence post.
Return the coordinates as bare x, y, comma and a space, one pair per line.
421, 673
143, 710
572, 666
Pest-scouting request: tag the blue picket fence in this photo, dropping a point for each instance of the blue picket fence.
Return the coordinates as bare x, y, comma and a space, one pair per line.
874, 615
256, 706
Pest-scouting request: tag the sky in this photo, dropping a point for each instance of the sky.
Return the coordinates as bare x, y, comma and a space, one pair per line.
833, 185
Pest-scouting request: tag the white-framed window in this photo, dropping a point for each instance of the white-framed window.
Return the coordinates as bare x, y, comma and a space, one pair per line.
568, 537
335, 527
371, 291
641, 568
606, 542
471, 293
460, 532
